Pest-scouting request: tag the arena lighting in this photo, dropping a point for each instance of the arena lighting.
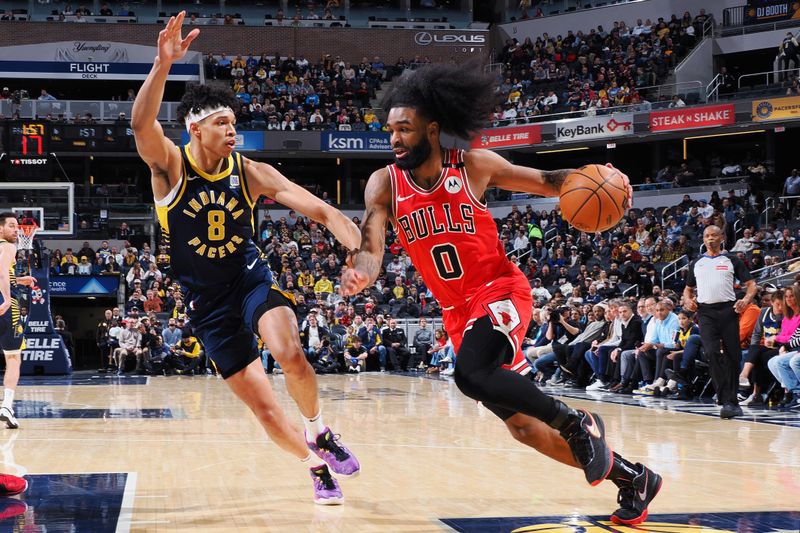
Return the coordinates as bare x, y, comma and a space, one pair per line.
685, 144
563, 150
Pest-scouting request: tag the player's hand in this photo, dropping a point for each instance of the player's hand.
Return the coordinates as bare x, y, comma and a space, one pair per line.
627, 184
690, 305
353, 282
171, 46
26, 280
4, 307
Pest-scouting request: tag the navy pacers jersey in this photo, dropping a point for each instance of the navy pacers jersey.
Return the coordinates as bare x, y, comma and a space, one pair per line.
209, 222
10, 328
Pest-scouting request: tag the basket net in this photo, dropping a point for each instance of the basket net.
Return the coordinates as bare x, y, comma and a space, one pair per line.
25, 235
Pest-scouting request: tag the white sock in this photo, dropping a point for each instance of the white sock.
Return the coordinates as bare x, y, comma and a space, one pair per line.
313, 461
314, 425
8, 398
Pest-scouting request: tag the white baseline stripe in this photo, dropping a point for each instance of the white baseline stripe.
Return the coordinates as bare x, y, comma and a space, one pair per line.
126, 510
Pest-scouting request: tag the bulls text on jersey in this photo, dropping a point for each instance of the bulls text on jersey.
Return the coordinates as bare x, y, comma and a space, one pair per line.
423, 222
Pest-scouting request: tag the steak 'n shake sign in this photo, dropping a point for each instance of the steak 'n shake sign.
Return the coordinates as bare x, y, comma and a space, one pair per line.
692, 117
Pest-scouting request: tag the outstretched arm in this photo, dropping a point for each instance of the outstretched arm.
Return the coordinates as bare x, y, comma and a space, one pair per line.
264, 179
367, 262
160, 154
498, 172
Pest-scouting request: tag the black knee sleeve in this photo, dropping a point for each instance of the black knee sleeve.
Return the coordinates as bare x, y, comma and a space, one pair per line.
478, 374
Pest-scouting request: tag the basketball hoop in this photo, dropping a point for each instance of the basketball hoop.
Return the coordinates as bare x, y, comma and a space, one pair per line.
25, 235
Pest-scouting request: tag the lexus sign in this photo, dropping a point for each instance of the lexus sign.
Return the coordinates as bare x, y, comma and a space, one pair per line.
424, 38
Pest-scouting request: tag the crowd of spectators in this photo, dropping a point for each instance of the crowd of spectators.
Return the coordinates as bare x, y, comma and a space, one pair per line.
296, 94
587, 289
354, 334
651, 346
592, 72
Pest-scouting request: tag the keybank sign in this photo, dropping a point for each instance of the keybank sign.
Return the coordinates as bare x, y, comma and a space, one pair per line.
424, 38
356, 141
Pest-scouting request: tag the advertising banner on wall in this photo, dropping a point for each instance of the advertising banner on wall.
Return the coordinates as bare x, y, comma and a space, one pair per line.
597, 127
84, 285
694, 117
355, 141
246, 141
776, 109
45, 352
91, 60
506, 137
760, 11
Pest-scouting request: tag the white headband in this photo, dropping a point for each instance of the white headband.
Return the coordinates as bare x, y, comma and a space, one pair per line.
203, 114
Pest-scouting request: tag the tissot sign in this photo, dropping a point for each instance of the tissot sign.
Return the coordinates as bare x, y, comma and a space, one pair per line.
594, 127
424, 38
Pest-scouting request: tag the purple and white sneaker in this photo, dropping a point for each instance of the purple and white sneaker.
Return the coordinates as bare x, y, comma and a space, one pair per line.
337, 456
326, 488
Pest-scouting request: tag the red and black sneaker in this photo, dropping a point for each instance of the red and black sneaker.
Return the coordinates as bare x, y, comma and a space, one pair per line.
634, 497
11, 507
586, 435
11, 485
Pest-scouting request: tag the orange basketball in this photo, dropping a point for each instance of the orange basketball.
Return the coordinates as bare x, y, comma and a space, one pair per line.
593, 198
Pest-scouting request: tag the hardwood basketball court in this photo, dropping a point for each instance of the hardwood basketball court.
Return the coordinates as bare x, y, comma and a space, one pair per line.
182, 454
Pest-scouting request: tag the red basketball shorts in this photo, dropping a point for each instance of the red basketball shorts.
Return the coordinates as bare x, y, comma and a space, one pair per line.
507, 302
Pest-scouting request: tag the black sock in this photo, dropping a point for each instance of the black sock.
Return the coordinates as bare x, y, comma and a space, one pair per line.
563, 417
622, 471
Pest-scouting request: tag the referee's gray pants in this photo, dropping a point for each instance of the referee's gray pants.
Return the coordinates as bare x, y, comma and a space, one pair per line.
719, 323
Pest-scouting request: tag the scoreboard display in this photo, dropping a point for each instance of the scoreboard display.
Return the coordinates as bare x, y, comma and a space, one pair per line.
37, 139
29, 139
91, 137
29, 150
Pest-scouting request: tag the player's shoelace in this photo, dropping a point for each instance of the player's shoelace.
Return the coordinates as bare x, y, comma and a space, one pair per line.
581, 443
626, 497
323, 479
332, 445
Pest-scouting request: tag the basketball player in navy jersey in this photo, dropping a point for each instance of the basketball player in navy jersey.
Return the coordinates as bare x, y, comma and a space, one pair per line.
433, 196
12, 341
205, 193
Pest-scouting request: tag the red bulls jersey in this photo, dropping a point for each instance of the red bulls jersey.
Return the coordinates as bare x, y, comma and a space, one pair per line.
449, 234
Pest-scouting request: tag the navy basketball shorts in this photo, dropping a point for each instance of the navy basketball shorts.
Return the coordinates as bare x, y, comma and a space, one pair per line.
11, 338
226, 319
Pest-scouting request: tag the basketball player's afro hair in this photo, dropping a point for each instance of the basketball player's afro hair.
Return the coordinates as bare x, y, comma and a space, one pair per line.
198, 97
459, 97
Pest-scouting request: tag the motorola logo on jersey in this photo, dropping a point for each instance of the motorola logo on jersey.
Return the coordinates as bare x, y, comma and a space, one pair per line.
435, 220
453, 184
215, 213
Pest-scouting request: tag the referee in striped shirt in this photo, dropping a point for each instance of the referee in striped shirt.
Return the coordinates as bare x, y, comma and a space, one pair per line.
713, 275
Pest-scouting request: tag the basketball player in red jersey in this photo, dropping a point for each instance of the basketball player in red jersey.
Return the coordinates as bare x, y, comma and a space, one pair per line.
433, 195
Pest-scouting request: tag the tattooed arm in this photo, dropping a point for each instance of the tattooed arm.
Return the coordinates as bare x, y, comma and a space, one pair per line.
366, 263
488, 169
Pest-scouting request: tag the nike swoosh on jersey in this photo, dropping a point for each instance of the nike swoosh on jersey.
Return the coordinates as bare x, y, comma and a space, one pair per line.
190, 178
251, 265
402, 198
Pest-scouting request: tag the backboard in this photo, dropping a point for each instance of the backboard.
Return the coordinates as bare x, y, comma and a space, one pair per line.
50, 204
